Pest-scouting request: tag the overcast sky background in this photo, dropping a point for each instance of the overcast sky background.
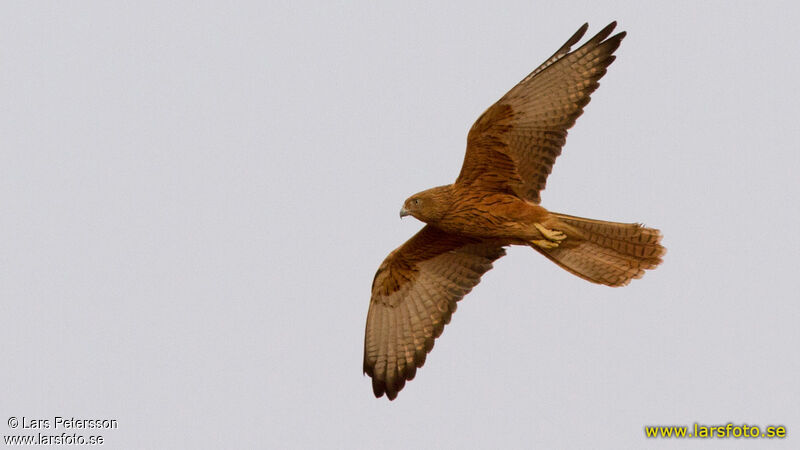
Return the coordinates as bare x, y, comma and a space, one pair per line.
195, 197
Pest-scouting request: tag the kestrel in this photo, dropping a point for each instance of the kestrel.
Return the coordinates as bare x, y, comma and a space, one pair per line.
494, 203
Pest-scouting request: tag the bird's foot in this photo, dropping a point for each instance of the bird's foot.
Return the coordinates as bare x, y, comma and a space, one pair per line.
554, 236
544, 244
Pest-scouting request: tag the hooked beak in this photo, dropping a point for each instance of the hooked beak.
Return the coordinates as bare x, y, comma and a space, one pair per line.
404, 212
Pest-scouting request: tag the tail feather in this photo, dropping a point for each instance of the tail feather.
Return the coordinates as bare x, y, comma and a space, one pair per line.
608, 253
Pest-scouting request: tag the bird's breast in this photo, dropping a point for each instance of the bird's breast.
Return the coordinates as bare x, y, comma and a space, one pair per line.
490, 215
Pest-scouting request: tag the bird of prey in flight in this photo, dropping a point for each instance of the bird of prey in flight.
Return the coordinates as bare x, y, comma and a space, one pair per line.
494, 203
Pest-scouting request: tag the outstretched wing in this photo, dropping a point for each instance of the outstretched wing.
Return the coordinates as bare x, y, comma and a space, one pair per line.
414, 293
513, 145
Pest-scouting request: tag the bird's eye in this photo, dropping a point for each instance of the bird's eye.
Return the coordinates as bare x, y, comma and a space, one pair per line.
416, 201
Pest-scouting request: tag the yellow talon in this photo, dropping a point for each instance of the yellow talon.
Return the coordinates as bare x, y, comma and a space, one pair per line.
545, 244
551, 235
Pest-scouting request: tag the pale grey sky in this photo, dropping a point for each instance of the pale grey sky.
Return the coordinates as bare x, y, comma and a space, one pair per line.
196, 195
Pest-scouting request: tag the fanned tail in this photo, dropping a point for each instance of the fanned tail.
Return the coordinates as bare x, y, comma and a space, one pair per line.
608, 253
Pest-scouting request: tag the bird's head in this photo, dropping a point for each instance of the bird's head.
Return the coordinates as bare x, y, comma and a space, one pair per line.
429, 205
